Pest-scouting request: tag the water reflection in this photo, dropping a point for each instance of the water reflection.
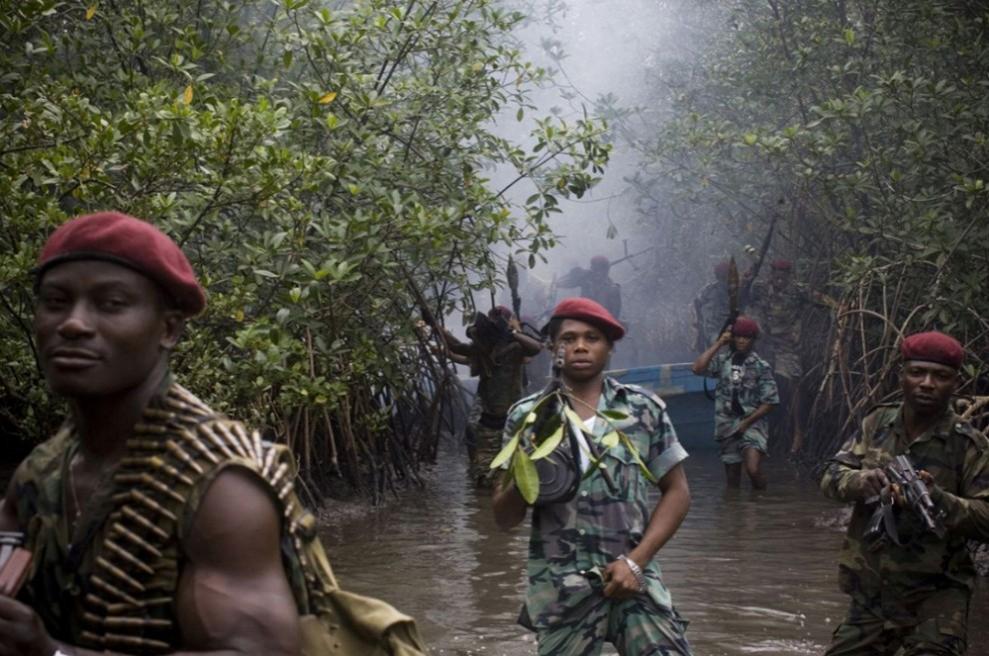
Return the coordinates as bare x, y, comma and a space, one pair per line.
753, 572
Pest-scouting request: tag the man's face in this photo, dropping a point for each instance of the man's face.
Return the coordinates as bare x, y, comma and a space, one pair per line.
586, 350
927, 386
742, 344
101, 328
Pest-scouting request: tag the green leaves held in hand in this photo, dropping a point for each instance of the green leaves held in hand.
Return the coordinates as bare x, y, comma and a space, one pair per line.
506, 452
610, 440
548, 445
617, 415
526, 477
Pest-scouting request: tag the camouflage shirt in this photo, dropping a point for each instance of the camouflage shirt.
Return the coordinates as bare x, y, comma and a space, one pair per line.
780, 314
572, 540
710, 310
750, 383
958, 457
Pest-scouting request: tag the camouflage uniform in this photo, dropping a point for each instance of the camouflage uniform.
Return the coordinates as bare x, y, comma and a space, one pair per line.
571, 543
499, 386
753, 383
780, 314
915, 596
710, 311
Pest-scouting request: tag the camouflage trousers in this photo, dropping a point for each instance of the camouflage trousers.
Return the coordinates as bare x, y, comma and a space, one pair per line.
483, 444
636, 627
933, 624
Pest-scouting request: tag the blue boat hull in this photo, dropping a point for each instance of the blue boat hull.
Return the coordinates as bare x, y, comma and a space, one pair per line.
691, 411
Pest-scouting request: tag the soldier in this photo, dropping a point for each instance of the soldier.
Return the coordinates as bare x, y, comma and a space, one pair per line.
913, 597
497, 352
593, 577
746, 392
711, 308
157, 525
596, 284
780, 307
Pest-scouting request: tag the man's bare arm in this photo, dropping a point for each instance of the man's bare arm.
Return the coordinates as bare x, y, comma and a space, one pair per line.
509, 506
667, 516
233, 596
666, 519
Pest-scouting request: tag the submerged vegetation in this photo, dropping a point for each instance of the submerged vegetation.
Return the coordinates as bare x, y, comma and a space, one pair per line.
324, 164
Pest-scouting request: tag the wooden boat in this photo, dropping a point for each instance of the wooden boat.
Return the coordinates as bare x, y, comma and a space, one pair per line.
690, 409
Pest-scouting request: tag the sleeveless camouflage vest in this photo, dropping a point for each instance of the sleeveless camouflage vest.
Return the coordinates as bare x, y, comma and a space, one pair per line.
116, 587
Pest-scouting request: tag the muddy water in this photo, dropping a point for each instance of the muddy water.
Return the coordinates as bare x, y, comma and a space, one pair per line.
754, 573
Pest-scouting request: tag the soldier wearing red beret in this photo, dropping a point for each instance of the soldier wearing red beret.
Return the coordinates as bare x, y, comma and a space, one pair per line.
745, 393
156, 524
596, 284
912, 593
592, 558
781, 307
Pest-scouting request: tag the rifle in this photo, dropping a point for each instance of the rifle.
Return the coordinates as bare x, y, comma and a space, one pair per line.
882, 523
629, 256
754, 271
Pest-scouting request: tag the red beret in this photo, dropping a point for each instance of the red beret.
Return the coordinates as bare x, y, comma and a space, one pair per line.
600, 261
134, 243
722, 268
933, 347
745, 327
503, 311
781, 264
584, 309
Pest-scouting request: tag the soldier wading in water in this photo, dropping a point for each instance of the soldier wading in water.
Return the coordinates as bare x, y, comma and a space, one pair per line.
911, 598
593, 577
745, 394
158, 526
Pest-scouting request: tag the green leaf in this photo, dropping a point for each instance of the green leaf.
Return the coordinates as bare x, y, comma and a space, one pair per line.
617, 415
526, 476
638, 459
610, 440
505, 453
548, 445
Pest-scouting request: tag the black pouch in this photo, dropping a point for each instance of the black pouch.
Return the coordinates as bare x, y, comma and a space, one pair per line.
559, 472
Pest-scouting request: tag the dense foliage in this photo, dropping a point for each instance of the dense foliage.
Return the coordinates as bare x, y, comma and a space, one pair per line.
865, 126
325, 167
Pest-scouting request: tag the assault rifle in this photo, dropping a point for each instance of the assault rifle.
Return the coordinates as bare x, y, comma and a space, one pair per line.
882, 524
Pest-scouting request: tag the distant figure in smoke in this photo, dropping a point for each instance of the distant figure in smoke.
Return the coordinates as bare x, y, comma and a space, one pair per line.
745, 394
496, 353
596, 284
780, 307
711, 308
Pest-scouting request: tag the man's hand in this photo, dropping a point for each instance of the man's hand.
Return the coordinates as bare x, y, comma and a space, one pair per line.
724, 338
21, 631
870, 483
898, 497
619, 581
